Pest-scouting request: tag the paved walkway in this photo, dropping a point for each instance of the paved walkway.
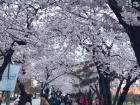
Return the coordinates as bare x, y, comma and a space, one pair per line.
34, 102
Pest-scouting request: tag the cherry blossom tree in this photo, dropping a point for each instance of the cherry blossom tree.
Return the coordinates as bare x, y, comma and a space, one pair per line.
57, 32
95, 41
16, 27
127, 13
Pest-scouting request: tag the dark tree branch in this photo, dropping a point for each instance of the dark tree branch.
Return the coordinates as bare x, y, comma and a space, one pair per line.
132, 30
95, 90
117, 92
134, 80
2, 53
47, 73
21, 42
56, 77
124, 93
8, 56
117, 10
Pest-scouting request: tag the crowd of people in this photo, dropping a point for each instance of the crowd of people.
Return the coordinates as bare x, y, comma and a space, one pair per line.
57, 98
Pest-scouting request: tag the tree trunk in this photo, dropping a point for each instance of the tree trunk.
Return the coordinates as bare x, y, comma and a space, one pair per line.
7, 60
104, 84
117, 92
108, 92
123, 94
134, 35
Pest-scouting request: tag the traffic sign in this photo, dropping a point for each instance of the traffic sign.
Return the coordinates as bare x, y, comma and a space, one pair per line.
9, 77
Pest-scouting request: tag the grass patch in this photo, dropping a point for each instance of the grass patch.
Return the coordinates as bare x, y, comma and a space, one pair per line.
130, 103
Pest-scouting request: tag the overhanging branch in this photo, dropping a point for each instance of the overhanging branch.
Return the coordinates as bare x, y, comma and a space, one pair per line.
117, 10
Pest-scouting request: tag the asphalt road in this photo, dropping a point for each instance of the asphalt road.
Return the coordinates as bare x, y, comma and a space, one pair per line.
34, 102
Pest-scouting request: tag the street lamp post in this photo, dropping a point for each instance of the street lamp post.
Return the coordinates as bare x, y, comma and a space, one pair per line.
8, 92
7, 97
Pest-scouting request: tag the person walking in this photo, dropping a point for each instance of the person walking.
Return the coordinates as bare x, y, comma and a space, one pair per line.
89, 97
29, 99
83, 100
67, 100
53, 100
43, 100
27, 103
74, 101
97, 101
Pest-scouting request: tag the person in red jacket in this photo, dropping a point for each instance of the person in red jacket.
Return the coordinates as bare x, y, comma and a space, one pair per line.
83, 100
97, 101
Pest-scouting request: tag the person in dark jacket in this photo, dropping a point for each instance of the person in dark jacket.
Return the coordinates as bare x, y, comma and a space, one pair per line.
44, 100
29, 98
89, 97
67, 100
58, 100
53, 100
